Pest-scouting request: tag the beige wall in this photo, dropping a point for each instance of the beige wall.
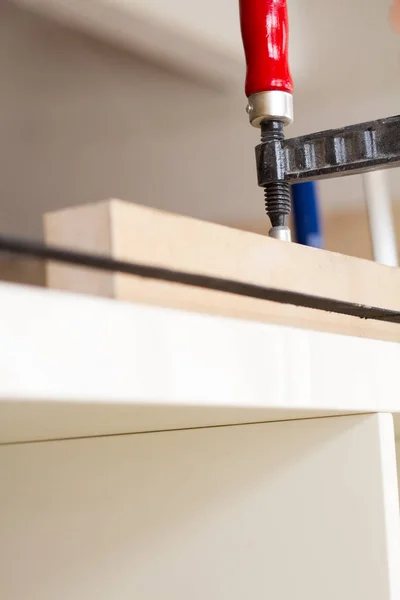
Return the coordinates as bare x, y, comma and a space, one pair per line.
348, 232
81, 121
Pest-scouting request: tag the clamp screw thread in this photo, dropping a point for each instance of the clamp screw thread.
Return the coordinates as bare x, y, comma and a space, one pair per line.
277, 193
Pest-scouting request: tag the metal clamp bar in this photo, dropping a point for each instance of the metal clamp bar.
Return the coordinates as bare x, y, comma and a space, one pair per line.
332, 153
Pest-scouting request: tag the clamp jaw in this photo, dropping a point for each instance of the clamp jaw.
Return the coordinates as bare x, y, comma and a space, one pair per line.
333, 153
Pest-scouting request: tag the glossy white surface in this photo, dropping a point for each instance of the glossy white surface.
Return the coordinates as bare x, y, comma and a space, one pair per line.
75, 366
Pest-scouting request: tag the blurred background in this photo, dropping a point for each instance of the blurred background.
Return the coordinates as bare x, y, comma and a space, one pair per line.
143, 100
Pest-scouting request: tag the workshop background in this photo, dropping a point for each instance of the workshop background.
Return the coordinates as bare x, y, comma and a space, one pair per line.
144, 101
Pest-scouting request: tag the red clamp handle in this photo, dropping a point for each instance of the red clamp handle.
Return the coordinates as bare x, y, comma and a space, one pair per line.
264, 25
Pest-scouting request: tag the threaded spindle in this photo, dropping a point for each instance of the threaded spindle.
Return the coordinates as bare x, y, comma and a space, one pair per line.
277, 193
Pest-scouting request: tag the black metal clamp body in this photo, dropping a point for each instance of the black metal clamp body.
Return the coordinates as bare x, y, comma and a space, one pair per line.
332, 153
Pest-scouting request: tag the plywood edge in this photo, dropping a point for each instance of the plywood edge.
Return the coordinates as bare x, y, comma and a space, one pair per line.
86, 228
152, 236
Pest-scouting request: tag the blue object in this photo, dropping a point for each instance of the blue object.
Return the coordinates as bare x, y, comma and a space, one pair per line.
307, 221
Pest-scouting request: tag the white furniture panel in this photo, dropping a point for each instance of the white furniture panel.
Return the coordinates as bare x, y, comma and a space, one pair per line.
305, 509
74, 365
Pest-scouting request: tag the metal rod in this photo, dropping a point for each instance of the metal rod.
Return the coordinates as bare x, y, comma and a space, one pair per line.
383, 237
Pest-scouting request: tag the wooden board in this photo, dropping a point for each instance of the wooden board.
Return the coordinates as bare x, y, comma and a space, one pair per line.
304, 509
127, 231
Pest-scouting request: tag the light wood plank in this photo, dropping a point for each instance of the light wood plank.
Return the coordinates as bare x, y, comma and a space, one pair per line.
150, 236
93, 229
304, 509
76, 365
